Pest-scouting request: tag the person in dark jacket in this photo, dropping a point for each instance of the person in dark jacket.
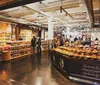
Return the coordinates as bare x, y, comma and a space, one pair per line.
20, 38
39, 46
75, 39
62, 40
33, 43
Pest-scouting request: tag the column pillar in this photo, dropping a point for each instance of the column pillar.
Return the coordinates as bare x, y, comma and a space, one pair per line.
50, 28
42, 34
50, 32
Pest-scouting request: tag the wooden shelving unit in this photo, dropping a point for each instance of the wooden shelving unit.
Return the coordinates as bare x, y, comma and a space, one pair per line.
4, 36
26, 34
17, 49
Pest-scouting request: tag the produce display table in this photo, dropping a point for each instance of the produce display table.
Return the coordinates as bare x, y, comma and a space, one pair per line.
78, 69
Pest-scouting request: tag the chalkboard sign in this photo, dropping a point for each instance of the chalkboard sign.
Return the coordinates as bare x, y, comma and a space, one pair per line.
80, 68
84, 69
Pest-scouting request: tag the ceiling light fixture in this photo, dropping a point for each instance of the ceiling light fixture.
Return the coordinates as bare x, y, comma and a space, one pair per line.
42, 3
63, 10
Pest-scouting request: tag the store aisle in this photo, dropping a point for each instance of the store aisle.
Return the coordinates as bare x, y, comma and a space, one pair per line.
34, 70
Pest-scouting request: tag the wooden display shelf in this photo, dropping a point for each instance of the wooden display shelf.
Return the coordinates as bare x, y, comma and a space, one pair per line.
6, 55
15, 51
20, 56
44, 49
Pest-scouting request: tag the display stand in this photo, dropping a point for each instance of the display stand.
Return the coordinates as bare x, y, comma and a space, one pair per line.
16, 49
77, 69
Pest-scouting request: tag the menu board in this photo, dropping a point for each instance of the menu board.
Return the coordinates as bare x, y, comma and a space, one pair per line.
86, 69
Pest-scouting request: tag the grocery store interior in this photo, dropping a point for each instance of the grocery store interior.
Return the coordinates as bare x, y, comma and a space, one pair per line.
49, 42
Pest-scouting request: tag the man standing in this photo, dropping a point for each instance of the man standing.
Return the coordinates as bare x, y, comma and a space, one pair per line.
33, 44
75, 39
39, 46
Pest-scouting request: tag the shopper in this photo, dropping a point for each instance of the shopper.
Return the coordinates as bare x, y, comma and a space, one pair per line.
58, 42
67, 40
33, 44
20, 38
62, 40
75, 39
96, 41
55, 41
88, 41
70, 40
39, 46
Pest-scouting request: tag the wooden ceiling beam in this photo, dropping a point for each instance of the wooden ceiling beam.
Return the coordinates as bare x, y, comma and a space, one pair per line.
96, 5
62, 9
22, 14
78, 13
16, 3
89, 5
54, 8
2, 2
78, 22
80, 18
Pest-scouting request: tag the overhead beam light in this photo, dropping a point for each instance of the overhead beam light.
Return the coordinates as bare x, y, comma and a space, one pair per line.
40, 15
62, 9
43, 4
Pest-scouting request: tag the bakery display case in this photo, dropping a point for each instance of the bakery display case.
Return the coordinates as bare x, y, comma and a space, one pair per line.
79, 52
5, 32
78, 63
16, 49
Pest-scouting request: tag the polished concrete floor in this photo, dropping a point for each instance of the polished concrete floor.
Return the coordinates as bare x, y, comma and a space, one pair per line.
32, 70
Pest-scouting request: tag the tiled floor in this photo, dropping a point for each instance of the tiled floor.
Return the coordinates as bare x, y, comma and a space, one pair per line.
34, 70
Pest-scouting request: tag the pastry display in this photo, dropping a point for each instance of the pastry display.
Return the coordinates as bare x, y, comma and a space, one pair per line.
79, 52
18, 48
